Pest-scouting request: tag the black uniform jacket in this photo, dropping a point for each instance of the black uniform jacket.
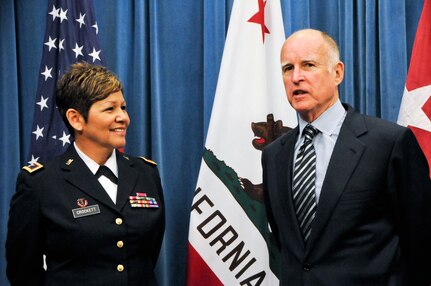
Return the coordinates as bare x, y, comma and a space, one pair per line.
372, 224
117, 246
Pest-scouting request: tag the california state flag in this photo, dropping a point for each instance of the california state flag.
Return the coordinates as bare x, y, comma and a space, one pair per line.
229, 239
415, 111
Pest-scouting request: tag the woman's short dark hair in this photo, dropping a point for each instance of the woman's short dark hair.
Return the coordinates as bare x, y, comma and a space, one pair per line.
81, 86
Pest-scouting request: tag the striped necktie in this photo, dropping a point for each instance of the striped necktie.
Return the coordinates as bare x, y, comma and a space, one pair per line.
304, 177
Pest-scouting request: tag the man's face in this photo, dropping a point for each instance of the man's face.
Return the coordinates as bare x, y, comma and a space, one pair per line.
309, 80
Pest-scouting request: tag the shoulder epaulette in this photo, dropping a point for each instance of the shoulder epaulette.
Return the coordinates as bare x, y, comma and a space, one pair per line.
33, 167
148, 160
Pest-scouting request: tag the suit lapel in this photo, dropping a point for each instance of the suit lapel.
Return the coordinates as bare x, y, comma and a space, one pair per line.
345, 157
78, 174
127, 177
284, 169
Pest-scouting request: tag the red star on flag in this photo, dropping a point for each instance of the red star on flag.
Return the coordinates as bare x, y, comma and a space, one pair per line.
427, 108
259, 18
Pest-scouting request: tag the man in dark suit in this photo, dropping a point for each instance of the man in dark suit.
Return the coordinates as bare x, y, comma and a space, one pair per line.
347, 195
96, 214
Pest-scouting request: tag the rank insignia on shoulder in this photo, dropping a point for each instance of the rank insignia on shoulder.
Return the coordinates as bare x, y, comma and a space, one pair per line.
148, 160
33, 167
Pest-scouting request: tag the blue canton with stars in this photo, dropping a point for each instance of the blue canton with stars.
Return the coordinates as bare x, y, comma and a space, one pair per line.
70, 36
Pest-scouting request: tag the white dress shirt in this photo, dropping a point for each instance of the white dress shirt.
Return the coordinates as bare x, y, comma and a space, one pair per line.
111, 163
329, 124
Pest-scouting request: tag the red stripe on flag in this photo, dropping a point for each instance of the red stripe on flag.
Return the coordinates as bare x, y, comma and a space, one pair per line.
198, 272
420, 62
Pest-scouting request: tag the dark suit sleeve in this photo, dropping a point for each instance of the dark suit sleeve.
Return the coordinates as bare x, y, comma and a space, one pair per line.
266, 196
408, 174
23, 245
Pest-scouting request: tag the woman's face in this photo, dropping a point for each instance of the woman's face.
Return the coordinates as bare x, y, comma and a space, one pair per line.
106, 124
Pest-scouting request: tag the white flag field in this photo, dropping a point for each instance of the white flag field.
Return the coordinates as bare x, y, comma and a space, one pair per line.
229, 238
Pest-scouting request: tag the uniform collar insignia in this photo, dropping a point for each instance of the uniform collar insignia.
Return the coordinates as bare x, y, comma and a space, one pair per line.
33, 167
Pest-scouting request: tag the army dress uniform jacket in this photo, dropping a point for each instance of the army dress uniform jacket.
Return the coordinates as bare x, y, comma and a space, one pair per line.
119, 245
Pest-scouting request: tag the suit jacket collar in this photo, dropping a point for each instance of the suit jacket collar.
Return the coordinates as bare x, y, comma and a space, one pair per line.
345, 157
284, 169
77, 173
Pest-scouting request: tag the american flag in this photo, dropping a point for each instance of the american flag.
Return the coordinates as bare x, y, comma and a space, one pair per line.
70, 36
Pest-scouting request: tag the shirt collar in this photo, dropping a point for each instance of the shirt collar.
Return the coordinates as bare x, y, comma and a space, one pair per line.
328, 121
111, 163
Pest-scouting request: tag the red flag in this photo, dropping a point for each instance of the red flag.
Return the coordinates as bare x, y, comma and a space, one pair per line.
415, 110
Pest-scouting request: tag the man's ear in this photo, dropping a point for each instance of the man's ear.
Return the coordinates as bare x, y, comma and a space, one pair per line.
339, 72
76, 120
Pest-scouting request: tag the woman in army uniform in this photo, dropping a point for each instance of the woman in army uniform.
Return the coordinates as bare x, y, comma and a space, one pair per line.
96, 214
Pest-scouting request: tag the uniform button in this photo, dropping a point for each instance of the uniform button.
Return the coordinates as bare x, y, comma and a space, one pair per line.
307, 267
118, 221
120, 244
120, 267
